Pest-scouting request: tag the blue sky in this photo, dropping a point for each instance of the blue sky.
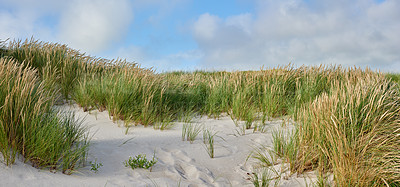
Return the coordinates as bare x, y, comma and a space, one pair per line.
216, 35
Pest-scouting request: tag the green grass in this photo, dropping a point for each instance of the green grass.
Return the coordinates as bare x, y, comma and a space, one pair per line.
262, 179
208, 140
30, 127
346, 120
191, 131
54, 63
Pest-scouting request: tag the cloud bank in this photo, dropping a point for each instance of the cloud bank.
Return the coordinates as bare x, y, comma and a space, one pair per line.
359, 33
172, 35
89, 25
94, 25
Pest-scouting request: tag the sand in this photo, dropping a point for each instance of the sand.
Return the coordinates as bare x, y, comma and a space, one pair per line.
180, 163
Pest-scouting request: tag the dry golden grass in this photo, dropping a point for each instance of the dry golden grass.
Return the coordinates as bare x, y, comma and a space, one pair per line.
347, 119
353, 132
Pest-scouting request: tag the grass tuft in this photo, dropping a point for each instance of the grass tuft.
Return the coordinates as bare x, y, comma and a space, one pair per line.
208, 140
190, 131
30, 127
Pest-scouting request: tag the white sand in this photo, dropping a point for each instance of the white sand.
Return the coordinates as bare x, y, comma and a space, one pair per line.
179, 162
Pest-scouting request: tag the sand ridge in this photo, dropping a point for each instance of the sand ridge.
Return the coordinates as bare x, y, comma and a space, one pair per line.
180, 163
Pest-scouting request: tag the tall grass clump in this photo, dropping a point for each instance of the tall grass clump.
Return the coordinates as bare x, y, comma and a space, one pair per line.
3, 48
285, 146
313, 82
395, 77
278, 90
134, 95
185, 93
243, 107
65, 65
140, 96
31, 128
353, 131
219, 94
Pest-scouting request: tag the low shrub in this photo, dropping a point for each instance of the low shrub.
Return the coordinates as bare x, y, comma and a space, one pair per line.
140, 161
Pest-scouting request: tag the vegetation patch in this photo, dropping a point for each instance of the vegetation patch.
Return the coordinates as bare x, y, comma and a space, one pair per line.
30, 127
140, 161
346, 120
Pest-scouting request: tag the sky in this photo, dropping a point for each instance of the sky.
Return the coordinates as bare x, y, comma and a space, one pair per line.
188, 35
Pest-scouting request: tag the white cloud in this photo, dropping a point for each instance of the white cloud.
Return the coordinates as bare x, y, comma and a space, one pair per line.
94, 25
88, 25
163, 8
9, 28
242, 21
206, 26
361, 33
184, 60
22, 19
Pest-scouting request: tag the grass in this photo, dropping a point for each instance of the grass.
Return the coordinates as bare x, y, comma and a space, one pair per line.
54, 63
139, 95
166, 124
208, 140
285, 146
190, 131
30, 127
186, 116
261, 179
346, 120
240, 130
353, 132
264, 156
349, 130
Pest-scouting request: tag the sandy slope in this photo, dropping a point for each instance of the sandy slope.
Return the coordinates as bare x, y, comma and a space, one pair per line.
179, 162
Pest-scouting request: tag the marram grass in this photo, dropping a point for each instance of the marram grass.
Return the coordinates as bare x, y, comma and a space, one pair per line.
353, 132
31, 128
54, 62
346, 120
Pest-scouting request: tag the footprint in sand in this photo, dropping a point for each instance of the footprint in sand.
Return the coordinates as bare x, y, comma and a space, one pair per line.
181, 155
178, 162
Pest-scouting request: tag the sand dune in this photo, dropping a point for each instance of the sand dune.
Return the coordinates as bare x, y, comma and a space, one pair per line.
179, 162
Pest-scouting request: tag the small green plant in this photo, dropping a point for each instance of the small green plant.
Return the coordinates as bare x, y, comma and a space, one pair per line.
95, 166
140, 161
165, 124
187, 116
279, 143
208, 140
263, 155
190, 132
322, 181
285, 146
260, 127
240, 130
235, 121
262, 179
249, 118
265, 172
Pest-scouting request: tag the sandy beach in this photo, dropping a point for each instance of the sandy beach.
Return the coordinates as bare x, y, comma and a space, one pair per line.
180, 163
